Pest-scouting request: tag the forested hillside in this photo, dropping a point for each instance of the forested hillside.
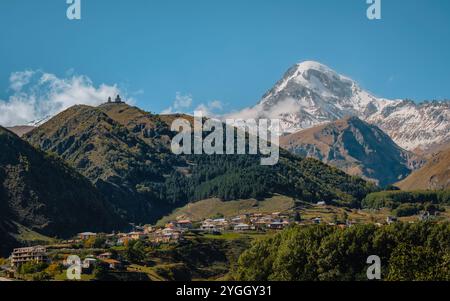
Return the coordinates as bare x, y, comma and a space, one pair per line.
125, 153
41, 193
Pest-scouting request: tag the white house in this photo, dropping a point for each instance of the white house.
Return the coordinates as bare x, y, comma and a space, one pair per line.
241, 227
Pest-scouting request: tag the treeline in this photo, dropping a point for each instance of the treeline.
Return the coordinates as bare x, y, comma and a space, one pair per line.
239, 177
394, 199
323, 253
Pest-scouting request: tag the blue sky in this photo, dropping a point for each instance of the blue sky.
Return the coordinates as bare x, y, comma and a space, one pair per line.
227, 50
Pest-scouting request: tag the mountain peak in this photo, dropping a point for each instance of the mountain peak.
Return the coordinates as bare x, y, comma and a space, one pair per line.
314, 76
311, 94
313, 65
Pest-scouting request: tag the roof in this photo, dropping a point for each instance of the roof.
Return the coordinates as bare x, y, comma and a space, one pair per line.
90, 259
111, 261
242, 225
277, 223
184, 222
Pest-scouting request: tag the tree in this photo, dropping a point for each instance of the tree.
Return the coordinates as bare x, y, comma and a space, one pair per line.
409, 263
323, 253
54, 269
135, 251
101, 271
94, 242
32, 267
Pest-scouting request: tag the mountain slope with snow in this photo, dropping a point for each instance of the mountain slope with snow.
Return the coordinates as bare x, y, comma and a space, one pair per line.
312, 94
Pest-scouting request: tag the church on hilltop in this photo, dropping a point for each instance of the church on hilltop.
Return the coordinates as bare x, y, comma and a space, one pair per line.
117, 100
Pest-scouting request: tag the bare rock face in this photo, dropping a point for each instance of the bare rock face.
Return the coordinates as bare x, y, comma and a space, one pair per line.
357, 148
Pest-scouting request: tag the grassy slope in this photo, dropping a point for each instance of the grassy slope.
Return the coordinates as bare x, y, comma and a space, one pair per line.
434, 175
212, 207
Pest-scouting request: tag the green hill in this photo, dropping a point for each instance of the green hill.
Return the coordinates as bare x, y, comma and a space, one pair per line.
41, 193
125, 153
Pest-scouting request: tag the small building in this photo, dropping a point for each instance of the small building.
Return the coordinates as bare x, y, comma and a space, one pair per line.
136, 235
166, 235
113, 264
36, 254
322, 203
276, 226
391, 220
425, 216
118, 99
86, 235
208, 227
88, 264
317, 220
149, 229
106, 255
183, 224
121, 241
241, 227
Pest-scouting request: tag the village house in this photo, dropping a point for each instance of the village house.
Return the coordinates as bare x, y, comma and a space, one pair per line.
106, 255
123, 240
241, 227
317, 220
391, 220
149, 229
183, 224
215, 225
136, 235
262, 222
278, 225
166, 235
113, 264
36, 254
88, 263
239, 219
221, 223
424, 216
208, 227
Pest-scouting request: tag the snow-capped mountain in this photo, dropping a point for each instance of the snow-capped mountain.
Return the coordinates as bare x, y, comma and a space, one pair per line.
311, 94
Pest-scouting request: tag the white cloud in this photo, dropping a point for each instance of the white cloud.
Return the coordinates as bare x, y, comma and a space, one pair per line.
18, 80
37, 95
180, 104
210, 109
283, 107
183, 103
